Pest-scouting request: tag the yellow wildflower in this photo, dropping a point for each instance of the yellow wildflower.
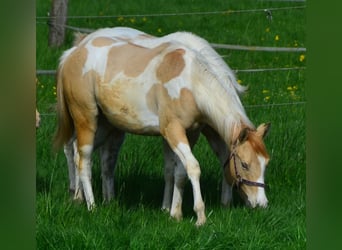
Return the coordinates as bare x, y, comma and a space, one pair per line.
265, 91
239, 81
159, 30
301, 58
267, 98
276, 38
292, 88
267, 29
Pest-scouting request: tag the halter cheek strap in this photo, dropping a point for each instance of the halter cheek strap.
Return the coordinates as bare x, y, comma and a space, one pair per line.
239, 179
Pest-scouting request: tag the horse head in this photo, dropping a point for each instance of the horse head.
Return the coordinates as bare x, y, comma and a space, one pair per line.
246, 165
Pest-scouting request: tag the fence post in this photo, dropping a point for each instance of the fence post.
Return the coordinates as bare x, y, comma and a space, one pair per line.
58, 18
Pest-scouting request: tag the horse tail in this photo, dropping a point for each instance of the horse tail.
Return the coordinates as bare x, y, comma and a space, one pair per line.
78, 37
65, 125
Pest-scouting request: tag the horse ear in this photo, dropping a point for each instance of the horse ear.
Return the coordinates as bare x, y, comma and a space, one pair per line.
243, 135
263, 129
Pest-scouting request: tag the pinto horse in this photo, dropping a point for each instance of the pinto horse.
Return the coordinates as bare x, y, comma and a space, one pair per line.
110, 147
156, 86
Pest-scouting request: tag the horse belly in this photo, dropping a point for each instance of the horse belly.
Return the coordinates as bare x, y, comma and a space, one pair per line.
125, 106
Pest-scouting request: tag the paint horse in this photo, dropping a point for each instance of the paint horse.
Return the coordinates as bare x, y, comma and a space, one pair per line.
156, 87
110, 145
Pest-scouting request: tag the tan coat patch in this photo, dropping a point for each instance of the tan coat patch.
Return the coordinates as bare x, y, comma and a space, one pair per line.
175, 115
171, 66
78, 93
102, 41
131, 59
120, 103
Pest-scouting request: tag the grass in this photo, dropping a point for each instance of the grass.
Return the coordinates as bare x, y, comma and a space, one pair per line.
134, 219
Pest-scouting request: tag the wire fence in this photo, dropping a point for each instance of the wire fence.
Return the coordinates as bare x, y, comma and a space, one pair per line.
266, 105
53, 72
225, 12
268, 13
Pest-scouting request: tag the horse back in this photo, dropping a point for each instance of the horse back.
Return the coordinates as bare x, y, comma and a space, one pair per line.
135, 86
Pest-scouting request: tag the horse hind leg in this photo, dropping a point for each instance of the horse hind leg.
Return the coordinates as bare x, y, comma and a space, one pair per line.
222, 152
178, 190
75, 175
69, 154
85, 126
109, 153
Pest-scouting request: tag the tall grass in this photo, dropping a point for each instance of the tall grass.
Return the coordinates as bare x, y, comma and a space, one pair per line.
134, 219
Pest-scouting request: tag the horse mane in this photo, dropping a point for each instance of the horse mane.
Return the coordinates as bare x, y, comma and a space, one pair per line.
231, 108
217, 64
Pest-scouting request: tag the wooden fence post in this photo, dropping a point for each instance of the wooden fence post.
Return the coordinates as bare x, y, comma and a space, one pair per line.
58, 18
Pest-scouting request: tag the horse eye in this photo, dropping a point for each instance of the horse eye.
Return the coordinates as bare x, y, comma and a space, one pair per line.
244, 165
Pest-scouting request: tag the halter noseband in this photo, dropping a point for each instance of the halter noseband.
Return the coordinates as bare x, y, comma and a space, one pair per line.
241, 180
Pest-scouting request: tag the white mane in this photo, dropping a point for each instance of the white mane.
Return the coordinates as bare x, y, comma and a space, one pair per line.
222, 90
217, 64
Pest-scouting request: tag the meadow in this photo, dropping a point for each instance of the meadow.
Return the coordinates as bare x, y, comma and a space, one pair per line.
134, 220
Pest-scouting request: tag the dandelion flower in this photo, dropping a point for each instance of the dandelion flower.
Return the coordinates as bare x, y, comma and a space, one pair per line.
301, 58
276, 38
267, 98
159, 30
239, 81
265, 91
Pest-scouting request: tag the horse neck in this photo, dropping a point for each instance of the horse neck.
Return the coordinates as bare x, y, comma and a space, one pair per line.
220, 106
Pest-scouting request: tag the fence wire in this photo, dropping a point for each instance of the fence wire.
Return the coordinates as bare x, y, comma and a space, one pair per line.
221, 46
224, 12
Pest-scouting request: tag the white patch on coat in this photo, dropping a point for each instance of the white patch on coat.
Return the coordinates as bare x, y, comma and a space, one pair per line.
96, 59
174, 87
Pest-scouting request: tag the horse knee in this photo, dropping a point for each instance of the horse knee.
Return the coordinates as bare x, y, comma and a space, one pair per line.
193, 170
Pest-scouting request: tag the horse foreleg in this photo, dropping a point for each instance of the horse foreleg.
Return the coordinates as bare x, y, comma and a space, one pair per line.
222, 152
175, 135
109, 153
171, 162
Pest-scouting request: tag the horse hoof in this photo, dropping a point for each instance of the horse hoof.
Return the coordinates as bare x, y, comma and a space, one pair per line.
200, 222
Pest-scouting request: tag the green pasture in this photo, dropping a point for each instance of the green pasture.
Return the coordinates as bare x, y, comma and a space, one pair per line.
134, 220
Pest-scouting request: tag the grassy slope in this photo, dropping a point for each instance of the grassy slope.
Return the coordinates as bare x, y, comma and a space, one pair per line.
134, 219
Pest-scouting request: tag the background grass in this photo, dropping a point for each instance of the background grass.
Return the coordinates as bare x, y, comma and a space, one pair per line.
134, 219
